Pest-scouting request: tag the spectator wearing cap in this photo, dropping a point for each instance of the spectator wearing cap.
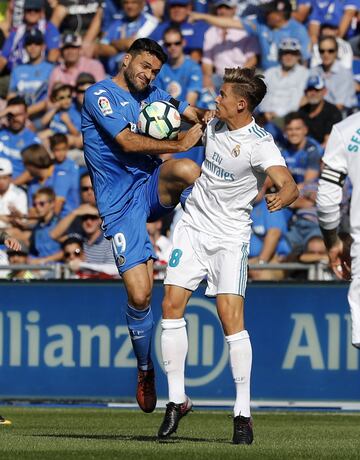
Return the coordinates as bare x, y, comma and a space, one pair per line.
226, 48
339, 81
270, 28
47, 173
179, 14
15, 136
135, 23
13, 200
13, 51
31, 80
62, 116
72, 63
321, 113
286, 82
337, 13
345, 54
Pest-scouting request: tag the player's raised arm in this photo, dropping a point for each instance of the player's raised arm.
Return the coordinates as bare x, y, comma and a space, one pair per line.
287, 189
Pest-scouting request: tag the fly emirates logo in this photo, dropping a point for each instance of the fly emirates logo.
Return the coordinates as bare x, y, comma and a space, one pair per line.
214, 165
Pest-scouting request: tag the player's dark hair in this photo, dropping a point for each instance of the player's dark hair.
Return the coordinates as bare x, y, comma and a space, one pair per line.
36, 155
84, 174
48, 191
150, 46
58, 138
296, 116
16, 100
247, 85
173, 29
73, 239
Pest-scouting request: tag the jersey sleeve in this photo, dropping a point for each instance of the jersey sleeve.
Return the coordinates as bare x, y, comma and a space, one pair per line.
265, 154
335, 152
105, 112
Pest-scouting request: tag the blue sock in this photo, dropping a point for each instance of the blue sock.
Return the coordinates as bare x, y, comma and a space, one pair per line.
140, 324
184, 195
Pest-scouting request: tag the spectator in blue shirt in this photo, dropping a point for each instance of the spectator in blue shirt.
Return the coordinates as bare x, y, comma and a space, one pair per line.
134, 23
31, 80
62, 116
62, 179
267, 243
274, 25
13, 52
43, 248
179, 12
180, 76
15, 136
338, 13
301, 152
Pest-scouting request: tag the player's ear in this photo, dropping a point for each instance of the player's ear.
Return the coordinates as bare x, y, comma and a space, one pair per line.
242, 104
126, 60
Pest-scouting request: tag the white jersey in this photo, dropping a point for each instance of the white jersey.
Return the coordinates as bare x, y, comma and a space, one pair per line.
14, 196
232, 174
342, 157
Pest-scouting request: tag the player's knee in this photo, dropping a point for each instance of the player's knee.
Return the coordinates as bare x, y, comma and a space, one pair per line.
170, 308
140, 300
188, 171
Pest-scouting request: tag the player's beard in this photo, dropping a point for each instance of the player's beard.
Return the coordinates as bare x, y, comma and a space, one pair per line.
130, 79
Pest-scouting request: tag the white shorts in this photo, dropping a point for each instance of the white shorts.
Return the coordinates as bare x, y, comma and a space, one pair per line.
196, 256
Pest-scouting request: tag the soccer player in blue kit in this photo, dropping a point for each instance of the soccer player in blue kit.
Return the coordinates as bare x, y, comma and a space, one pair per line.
132, 186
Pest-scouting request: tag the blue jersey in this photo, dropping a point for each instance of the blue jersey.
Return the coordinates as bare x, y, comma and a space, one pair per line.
108, 110
193, 34
41, 243
65, 183
299, 161
58, 126
31, 81
331, 12
179, 81
262, 221
269, 39
13, 49
11, 145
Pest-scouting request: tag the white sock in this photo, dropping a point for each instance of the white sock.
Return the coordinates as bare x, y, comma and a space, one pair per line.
174, 347
240, 363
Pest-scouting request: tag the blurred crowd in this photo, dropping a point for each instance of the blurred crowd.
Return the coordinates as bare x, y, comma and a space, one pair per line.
53, 50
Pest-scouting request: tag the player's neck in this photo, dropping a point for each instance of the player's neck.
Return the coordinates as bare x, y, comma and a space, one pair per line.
120, 80
239, 122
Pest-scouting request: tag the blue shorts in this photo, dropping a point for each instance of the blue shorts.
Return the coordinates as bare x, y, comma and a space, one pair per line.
130, 240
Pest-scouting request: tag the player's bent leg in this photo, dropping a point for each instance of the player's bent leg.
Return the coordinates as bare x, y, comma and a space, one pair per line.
138, 283
174, 347
230, 309
175, 177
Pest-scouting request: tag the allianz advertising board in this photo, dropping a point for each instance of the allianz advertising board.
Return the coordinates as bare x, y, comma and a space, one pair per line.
70, 340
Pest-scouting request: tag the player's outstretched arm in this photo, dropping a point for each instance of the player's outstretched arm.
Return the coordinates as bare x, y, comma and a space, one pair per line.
287, 189
135, 143
196, 115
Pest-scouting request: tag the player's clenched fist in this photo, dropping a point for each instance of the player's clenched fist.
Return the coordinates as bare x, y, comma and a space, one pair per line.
190, 138
274, 202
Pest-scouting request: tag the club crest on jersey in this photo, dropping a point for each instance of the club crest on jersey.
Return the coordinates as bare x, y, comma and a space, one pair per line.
235, 152
104, 105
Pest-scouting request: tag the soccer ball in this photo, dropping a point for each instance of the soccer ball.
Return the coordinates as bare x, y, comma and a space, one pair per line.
160, 120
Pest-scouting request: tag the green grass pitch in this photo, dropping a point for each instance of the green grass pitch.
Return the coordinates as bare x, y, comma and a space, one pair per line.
87, 433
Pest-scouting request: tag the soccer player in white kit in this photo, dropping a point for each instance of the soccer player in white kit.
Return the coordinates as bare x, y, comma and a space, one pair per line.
212, 238
342, 158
